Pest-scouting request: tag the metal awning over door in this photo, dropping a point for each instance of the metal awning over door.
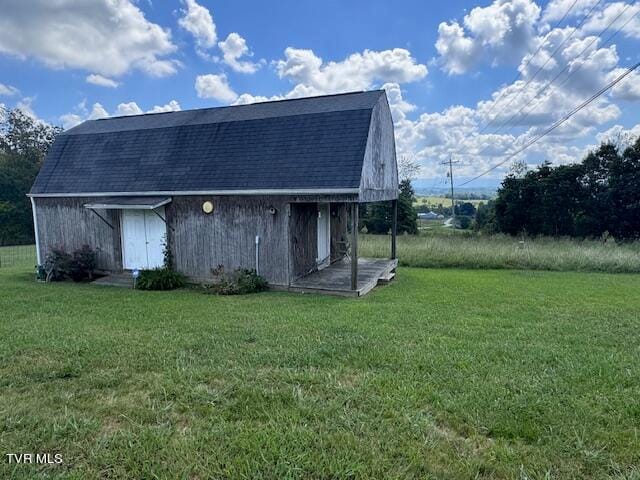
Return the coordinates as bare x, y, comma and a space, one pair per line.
128, 203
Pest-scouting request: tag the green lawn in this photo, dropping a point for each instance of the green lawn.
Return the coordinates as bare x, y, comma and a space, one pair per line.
442, 374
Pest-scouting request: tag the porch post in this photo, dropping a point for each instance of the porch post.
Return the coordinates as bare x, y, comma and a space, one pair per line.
394, 227
354, 246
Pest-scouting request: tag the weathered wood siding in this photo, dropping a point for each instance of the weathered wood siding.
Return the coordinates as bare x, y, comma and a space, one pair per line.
226, 237
303, 231
379, 179
64, 222
338, 229
200, 242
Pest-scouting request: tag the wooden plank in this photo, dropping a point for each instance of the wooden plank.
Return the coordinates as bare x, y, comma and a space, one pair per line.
64, 222
354, 246
303, 228
339, 235
336, 279
379, 179
226, 237
394, 227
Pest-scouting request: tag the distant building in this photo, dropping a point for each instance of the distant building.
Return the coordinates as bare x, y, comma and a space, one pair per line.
430, 216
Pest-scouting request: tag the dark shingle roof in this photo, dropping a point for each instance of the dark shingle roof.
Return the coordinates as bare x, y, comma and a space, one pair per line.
310, 143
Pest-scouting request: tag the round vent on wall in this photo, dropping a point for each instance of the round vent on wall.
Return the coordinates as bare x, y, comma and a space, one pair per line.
207, 207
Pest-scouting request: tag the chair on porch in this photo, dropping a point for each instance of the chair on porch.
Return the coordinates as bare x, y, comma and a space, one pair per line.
344, 249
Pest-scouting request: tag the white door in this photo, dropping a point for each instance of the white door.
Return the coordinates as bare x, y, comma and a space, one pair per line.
324, 236
143, 236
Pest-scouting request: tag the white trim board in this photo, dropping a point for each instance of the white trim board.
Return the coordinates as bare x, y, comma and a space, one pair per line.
35, 229
308, 191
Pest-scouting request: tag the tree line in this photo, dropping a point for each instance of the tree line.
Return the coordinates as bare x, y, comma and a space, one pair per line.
597, 197
24, 142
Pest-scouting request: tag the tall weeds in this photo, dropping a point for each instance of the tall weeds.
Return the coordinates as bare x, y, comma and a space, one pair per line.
501, 251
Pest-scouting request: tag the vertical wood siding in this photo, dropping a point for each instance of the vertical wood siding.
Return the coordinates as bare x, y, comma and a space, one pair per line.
200, 242
226, 237
303, 228
379, 179
64, 222
338, 229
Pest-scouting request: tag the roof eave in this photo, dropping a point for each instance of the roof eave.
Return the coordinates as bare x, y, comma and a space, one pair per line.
296, 191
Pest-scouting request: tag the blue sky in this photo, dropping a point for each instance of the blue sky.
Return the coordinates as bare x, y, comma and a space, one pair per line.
448, 67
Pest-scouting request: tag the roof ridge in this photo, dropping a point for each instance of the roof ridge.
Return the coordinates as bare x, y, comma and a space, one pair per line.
221, 107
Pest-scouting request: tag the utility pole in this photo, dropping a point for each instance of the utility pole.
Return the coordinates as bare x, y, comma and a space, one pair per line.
453, 201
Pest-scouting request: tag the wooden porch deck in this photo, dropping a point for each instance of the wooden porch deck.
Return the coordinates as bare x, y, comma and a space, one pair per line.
336, 278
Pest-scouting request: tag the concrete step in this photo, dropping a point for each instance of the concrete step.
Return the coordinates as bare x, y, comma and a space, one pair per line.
384, 279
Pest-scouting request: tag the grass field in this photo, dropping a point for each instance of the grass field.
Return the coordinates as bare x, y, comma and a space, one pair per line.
447, 248
444, 201
18, 256
442, 374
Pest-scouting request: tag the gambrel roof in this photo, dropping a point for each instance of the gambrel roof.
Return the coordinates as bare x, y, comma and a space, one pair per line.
319, 144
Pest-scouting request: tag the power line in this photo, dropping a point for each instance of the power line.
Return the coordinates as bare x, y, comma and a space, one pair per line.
528, 82
567, 78
566, 67
557, 123
606, 42
453, 199
519, 74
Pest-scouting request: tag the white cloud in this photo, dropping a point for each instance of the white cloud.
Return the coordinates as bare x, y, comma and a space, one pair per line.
398, 105
620, 135
602, 18
628, 88
70, 120
197, 20
106, 37
26, 105
357, 72
500, 33
216, 87
130, 108
8, 90
172, 106
556, 9
247, 98
97, 111
101, 81
234, 48
81, 114
458, 53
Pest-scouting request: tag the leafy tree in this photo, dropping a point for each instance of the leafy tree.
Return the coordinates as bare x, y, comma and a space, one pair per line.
407, 216
485, 219
466, 209
600, 194
24, 142
624, 194
377, 217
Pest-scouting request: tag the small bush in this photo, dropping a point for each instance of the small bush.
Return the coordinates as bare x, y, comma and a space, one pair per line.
240, 282
57, 265
160, 279
60, 265
83, 264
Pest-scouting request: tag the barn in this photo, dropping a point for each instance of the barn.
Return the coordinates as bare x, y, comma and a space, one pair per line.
271, 186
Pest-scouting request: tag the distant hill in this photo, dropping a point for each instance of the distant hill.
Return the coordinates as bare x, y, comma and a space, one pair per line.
437, 187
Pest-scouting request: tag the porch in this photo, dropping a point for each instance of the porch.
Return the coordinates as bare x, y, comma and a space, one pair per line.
336, 278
